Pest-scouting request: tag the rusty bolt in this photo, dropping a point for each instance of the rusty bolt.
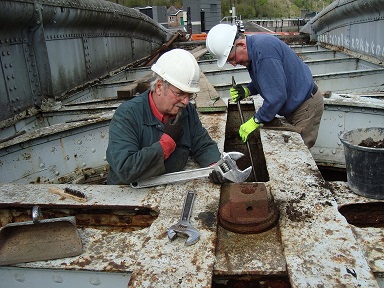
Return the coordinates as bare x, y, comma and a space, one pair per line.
286, 137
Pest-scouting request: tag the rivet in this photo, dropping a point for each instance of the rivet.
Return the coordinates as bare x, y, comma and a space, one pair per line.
19, 277
84, 165
286, 137
95, 281
93, 150
57, 279
42, 165
57, 173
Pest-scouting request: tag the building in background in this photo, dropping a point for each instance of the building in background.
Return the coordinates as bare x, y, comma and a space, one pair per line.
204, 14
199, 15
175, 17
157, 13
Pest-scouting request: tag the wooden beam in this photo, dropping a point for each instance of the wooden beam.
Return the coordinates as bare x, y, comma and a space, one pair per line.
208, 99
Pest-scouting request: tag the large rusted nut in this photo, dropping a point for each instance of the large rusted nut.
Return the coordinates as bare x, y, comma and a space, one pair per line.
247, 208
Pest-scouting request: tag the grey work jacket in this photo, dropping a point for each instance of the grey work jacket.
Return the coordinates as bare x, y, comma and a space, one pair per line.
134, 152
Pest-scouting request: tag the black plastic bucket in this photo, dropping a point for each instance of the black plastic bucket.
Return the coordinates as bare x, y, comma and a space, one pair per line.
364, 165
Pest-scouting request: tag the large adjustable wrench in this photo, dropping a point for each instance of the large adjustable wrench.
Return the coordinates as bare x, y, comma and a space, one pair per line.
226, 166
183, 227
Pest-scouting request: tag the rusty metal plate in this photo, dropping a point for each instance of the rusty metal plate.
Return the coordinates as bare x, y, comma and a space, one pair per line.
26, 241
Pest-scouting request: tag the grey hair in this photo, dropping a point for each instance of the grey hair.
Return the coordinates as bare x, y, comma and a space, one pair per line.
153, 82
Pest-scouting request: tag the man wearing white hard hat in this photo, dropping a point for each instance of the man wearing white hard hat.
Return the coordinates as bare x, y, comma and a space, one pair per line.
157, 131
281, 78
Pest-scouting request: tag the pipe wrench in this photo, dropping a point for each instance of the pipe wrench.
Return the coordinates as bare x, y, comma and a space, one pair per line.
226, 166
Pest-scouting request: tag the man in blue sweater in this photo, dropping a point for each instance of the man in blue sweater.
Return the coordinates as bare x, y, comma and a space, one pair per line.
281, 78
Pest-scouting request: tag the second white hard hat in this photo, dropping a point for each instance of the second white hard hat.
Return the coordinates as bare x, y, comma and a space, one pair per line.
220, 41
179, 68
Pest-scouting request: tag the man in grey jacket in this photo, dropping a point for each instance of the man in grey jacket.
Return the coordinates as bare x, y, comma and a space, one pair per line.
157, 131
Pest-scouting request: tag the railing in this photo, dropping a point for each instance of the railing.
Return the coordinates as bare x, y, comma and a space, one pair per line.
48, 48
355, 25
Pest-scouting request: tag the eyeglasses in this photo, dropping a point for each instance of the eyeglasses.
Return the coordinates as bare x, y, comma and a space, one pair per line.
184, 95
232, 59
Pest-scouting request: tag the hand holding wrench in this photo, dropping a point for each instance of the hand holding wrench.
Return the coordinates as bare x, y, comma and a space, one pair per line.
226, 166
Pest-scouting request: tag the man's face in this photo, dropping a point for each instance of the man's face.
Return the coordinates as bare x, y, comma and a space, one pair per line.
239, 54
172, 99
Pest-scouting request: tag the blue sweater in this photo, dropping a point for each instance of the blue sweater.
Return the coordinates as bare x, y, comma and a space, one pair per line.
278, 75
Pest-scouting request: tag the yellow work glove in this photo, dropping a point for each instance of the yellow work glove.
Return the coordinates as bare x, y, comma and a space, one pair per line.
238, 92
247, 128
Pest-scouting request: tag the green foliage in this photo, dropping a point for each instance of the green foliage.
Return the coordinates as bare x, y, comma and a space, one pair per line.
272, 8
247, 9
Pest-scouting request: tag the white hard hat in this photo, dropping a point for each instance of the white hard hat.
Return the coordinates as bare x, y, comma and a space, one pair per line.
179, 68
220, 41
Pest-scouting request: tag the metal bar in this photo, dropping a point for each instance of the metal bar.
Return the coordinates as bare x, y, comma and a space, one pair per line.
246, 142
173, 177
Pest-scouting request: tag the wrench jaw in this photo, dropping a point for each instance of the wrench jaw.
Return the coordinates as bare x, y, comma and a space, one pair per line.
238, 178
228, 168
171, 234
191, 233
233, 155
193, 237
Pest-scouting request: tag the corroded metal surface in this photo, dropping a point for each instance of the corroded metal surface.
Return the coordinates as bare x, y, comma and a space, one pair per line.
319, 245
370, 238
147, 252
313, 244
105, 248
162, 263
249, 254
